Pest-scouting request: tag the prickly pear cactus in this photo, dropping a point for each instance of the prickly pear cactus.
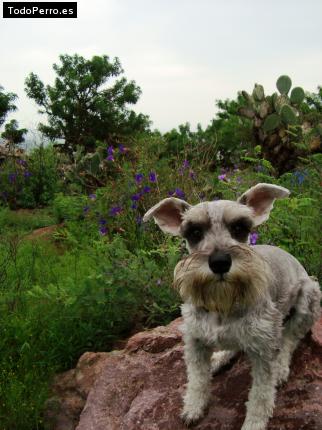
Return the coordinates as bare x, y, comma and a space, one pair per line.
277, 122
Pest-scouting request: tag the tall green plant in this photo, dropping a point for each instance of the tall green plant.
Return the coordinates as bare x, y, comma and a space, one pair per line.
277, 123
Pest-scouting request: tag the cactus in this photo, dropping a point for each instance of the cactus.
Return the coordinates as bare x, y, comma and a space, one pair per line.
258, 93
275, 121
284, 84
271, 122
297, 95
288, 115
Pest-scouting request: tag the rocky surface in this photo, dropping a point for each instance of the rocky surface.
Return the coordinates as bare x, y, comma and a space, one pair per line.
140, 388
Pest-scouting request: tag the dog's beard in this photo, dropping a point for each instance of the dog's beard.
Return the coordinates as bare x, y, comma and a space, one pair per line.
243, 285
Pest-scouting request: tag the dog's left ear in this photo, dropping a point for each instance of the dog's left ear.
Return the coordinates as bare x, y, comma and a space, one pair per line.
168, 214
260, 199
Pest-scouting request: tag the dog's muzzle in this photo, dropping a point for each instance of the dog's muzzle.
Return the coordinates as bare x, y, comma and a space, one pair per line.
220, 262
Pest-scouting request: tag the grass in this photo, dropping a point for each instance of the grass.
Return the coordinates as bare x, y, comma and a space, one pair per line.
67, 295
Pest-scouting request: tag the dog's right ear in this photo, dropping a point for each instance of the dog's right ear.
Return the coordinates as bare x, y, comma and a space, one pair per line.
168, 214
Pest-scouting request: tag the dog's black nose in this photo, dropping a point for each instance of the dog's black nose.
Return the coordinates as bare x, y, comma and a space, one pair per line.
219, 262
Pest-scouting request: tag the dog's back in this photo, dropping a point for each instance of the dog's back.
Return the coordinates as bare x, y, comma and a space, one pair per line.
290, 280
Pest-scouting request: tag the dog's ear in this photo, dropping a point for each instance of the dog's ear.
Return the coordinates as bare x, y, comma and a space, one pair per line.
260, 199
168, 214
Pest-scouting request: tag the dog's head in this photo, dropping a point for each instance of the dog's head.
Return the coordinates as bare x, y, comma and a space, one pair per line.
222, 269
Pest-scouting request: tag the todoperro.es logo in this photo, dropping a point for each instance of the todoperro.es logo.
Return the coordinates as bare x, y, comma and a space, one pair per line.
39, 9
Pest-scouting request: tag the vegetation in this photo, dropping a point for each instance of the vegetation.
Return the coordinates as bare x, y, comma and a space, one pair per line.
277, 123
80, 107
78, 268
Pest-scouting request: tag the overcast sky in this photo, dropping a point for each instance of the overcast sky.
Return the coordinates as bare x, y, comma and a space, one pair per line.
183, 54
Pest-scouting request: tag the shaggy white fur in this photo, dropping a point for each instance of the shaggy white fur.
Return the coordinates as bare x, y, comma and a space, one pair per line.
237, 297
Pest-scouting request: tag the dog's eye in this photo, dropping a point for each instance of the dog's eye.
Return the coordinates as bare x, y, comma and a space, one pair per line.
240, 230
194, 235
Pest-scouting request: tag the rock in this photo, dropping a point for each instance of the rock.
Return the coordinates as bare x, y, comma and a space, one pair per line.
71, 389
141, 387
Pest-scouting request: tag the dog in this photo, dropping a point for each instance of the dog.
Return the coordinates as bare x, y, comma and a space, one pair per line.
237, 297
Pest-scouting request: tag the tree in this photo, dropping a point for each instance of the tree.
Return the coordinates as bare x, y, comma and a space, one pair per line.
12, 134
81, 108
6, 104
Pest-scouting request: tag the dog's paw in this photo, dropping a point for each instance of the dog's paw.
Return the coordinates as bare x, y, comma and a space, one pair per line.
282, 375
191, 418
254, 425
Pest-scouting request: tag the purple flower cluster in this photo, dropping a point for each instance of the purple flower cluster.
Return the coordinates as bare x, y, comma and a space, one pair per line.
253, 238
139, 178
116, 210
153, 177
177, 193
111, 152
222, 177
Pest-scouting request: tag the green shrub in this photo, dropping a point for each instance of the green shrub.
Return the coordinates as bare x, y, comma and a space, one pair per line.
55, 307
30, 182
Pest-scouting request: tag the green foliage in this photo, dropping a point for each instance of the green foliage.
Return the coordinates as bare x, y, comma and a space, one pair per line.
288, 115
25, 221
6, 104
80, 107
53, 308
277, 124
271, 122
69, 208
284, 84
12, 134
102, 273
29, 182
297, 95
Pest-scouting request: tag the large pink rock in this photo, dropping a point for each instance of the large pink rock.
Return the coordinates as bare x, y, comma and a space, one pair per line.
141, 387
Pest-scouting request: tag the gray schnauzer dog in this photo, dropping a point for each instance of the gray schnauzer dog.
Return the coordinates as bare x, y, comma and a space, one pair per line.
237, 297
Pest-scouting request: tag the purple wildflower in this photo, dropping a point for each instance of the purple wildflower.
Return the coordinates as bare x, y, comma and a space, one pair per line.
138, 177
253, 238
222, 177
115, 210
135, 197
102, 221
27, 174
110, 150
22, 162
86, 209
134, 206
103, 231
179, 193
152, 177
185, 164
146, 189
110, 158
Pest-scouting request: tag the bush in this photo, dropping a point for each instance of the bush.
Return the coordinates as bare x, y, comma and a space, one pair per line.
55, 307
30, 182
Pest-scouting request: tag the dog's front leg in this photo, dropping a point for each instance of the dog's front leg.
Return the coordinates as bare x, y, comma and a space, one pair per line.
198, 362
261, 397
